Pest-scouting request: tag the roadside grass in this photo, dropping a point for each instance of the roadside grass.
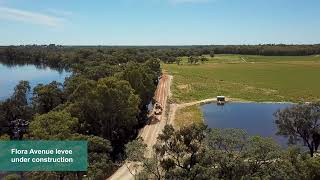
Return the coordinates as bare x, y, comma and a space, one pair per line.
262, 78
188, 115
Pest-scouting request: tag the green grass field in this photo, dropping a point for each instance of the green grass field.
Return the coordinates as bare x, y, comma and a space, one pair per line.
252, 78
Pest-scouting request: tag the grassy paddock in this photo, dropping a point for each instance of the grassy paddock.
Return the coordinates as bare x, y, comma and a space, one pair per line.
254, 78
188, 115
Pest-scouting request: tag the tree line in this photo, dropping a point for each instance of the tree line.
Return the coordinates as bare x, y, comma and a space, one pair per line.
65, 56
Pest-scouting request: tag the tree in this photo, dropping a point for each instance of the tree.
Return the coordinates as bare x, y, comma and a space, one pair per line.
61, 126
194, 59
203, 59
300, 122
212, 54
107, 108
140, 80
71, 84
20, 95
99, 149
15, 108
154, 66
47, 97
100, 166
18, 102
101, 70
142, 165
53, 125
135, 153
191, 59
261, 153
295, 164
313, 168
178, 60
118, 108
227, 150
197, 153
181, 150
175, 155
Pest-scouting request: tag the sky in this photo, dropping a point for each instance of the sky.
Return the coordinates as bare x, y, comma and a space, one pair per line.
159, 22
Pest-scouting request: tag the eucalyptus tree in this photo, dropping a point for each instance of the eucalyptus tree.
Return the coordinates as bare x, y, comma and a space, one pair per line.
47, 97
15, 108
301, 123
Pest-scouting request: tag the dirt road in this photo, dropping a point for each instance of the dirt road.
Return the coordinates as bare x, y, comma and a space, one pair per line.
150, 132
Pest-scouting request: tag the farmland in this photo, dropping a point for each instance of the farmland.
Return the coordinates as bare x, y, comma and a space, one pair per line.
248, 77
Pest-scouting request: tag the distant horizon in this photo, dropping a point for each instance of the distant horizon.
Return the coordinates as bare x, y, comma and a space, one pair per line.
160, 45
159, 22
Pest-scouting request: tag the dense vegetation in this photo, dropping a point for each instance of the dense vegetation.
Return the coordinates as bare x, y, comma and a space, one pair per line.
60, 56
195, 152
104, 101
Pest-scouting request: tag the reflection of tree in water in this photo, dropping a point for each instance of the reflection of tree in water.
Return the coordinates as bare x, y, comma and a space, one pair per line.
301, 123
42, 66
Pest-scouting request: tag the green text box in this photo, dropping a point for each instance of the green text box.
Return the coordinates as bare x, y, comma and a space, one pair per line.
43, 155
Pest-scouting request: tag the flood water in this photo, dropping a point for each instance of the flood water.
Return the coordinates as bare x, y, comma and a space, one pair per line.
11, 75
255, 118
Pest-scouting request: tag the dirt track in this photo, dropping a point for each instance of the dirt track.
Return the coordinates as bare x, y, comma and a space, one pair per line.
150, 132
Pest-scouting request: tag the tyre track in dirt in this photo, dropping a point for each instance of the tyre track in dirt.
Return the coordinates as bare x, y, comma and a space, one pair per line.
151, 131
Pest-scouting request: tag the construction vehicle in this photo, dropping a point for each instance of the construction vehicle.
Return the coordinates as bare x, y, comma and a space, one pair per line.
157, 109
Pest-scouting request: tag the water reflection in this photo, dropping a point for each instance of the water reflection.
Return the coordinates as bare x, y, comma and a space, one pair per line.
255, 118
11, 74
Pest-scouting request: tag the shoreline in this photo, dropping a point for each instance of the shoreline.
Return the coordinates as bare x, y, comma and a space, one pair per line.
230, 100
174, 107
